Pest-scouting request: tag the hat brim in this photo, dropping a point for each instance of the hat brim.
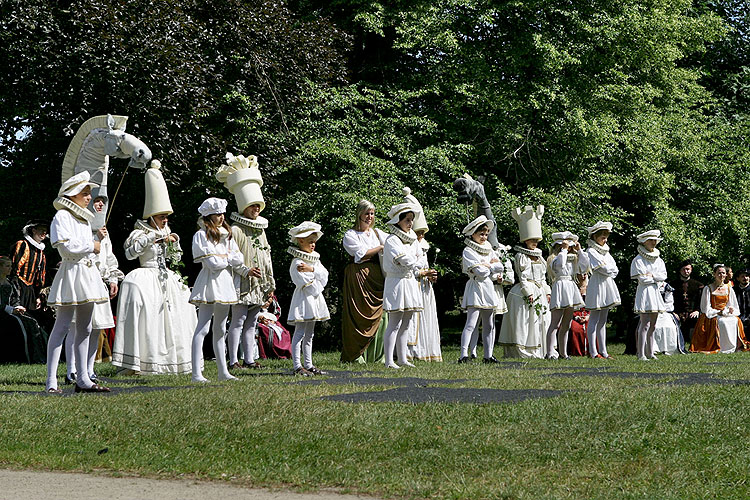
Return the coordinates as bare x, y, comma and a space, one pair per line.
305, 234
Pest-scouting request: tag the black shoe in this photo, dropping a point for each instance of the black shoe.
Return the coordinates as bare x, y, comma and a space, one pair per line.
464, 359
473, 356
69, 380
490, 361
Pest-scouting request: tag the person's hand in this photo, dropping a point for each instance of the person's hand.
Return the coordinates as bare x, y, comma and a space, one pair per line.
255, 272
305, 268
19, 310
494, 261
172, 237
577, 246
694, 314
549, 299
268, 302
113, 289
97, 247
101, 233
38, 303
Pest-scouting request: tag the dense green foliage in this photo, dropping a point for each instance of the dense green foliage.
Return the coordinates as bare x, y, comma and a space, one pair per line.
629, 111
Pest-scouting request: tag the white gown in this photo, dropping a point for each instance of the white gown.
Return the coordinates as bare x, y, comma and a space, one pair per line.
308, 303
649, 270
215, 281
601, 292
727, 322
400, 264
424, 331
155, 321
666, 332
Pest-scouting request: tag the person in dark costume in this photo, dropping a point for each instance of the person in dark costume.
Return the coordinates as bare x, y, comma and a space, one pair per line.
742, 291
29, 264
687, 297
23, 340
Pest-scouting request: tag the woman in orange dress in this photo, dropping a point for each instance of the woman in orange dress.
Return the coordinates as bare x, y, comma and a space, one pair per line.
719, 328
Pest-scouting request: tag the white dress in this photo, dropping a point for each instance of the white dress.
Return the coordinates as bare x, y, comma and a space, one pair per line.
215, 281
155, 321
77, 281
424, 331
601, 292
727, 321
479, 291
401, 255
505, 278
666, 332
564, 291
525, 326
308, 303
649, 270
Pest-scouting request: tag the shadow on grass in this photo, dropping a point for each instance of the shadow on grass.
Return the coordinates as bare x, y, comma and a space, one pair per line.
444, 395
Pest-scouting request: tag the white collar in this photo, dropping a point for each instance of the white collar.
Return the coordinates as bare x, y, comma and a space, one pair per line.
406, 238
484, 249
652, 256
602, 249
257, 223
537, 252
35, 243
80, 213
312, 257
146, 227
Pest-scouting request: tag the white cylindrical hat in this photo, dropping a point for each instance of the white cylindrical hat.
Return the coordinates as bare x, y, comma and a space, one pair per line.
653, 234
420, 222
472, 226
396, 210
529, 222
242, 178
157, 196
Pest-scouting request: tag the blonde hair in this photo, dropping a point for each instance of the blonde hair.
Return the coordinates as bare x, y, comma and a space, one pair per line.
362, 207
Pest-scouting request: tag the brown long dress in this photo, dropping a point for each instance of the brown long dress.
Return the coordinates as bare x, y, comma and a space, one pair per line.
362, 311
706, 333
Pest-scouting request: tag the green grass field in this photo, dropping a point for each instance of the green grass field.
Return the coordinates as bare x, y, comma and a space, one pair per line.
617, 434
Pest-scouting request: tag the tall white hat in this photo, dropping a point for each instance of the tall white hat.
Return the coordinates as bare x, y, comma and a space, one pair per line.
157, 196
76, 184
420, 222
529, 222
559, 238
598, 227
242, 178
304, 230
653, 234
212, 206
396, 210
472, 226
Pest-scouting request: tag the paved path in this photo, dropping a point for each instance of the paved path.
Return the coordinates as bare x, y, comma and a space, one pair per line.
32, 485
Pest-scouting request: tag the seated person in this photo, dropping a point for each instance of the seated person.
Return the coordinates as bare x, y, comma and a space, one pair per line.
667, 334
274, 341
742, 291
579, 326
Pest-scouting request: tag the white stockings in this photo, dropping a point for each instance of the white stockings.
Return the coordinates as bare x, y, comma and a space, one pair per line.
219, 312
473, 315
396, 338
244, 325
302, 341
81, 332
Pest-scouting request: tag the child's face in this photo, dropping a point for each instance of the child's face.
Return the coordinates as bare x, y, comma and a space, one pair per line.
83, 198
4, 268
99, 204
420, 234
307, 244
601, 237
406, 223
650, 244
252, 211
217, 219
531, 244
480, 235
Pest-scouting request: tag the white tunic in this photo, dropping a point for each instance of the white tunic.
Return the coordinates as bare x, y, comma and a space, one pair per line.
479, 291
357, 243
77, 281
649, 271
401, 266
564, 291
727, 321
155, 321
601, 292
215, 282
424, 334
308, 303
665, 332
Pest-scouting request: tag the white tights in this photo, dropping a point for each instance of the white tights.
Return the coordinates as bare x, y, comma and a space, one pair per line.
473, 315
219, 313
559, 328
81, 331
396, 336
644, 347
70, 353
243, 324
302, 341
597, 333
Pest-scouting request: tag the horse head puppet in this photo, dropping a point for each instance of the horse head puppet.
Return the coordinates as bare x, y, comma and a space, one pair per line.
96, 140
470, 190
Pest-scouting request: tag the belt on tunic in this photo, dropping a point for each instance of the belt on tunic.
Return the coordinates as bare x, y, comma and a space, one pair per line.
563, 278
407, 274
87, 261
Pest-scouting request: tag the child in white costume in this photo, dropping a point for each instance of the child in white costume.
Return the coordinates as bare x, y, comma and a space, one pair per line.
562, 266
77, 286
308, 305
650, 271
241, 176
602, 293
401, 296
525, 326
213, 291
480, 299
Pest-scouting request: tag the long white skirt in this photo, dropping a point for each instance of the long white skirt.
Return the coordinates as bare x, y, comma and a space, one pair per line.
155, 326
665, 334
424, 334
523, 331
728, 333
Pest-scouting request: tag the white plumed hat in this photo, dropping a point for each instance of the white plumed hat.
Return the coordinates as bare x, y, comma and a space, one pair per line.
396, 210
529, 222
157, 196
420, 222
599, 226
242, 178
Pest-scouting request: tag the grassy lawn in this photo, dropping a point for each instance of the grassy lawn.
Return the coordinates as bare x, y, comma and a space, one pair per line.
609, 435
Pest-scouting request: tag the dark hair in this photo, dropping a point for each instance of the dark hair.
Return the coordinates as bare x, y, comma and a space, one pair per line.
480, 228
686, 262
599, 232
212, 230
403, 215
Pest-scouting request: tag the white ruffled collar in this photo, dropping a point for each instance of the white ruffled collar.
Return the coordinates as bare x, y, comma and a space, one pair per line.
80, 213
36, 244
257, 223
311, 257
407, 238
143, 225
602, 249
537, 252
483, 249
652, 256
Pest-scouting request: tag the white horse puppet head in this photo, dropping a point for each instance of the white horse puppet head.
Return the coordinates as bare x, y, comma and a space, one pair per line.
96, 140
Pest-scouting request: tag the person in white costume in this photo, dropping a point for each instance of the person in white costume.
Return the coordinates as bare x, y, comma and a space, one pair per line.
649, 269
562, 266
155, 321
424, 334
242, 177
480, 300
525, 326
602, 293
310, 278
667, 330
213, 292
77, 286
402, 296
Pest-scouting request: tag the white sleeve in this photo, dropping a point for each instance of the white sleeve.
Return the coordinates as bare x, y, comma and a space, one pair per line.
472, 265
733, 303
63, 234
353, 246
204, 252
138, 242
706, 303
